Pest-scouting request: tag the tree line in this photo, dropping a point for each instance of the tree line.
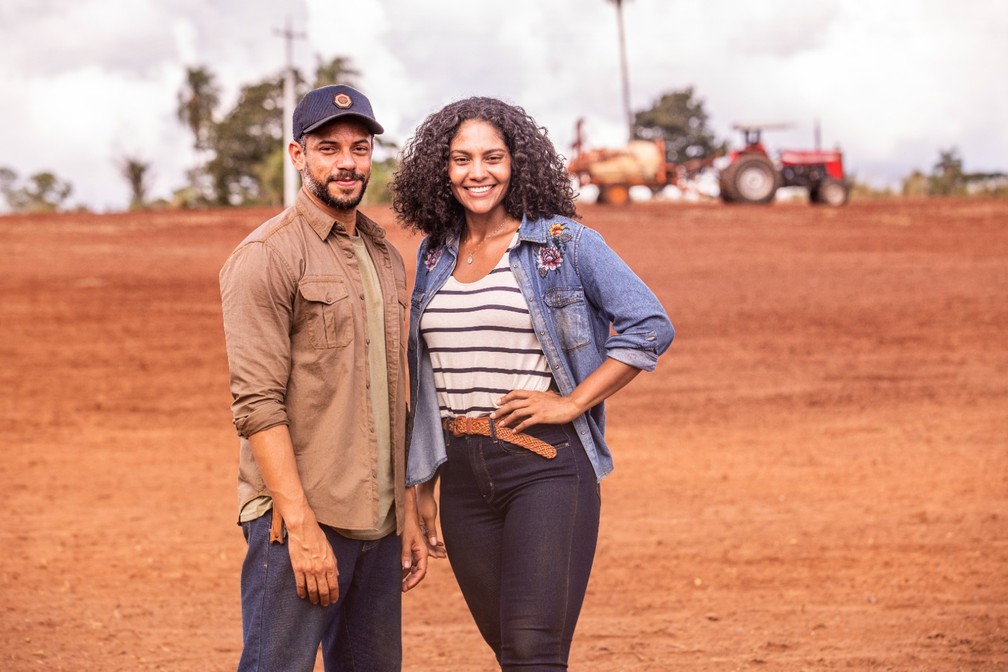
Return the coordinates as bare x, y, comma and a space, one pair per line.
240, 152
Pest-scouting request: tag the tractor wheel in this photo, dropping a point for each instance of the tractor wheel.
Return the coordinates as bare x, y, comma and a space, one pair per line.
751, 179
614, 194
830, 192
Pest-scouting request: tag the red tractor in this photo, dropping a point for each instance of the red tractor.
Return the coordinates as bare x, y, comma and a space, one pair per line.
752, 176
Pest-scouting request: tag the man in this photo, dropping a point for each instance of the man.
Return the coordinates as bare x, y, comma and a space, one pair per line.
314, 309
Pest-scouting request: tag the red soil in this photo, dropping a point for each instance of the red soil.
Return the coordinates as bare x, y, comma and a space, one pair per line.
816, 477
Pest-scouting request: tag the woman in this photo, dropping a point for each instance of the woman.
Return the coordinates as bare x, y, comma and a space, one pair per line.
511, 356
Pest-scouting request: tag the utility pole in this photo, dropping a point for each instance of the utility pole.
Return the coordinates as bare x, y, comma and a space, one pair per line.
290, 175
623, 69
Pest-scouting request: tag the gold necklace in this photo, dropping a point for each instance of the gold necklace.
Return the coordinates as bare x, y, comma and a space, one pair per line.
497, 229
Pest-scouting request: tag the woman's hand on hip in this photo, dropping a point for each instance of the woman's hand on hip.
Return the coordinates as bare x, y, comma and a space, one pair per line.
519, 409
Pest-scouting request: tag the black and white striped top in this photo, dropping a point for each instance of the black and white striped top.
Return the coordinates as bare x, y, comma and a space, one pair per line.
482, 344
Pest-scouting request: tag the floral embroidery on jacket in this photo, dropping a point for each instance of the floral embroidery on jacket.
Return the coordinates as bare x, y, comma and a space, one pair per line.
432, 257
550, 256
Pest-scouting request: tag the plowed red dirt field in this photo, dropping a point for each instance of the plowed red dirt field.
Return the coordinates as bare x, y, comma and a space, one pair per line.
816, 477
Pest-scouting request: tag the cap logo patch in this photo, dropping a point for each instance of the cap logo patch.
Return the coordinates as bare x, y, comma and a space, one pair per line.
342, 101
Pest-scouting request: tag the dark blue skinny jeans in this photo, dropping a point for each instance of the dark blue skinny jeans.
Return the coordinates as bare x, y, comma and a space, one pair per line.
520, 531
361, 632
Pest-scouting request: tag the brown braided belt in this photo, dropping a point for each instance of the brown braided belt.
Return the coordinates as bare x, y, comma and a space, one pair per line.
482, 427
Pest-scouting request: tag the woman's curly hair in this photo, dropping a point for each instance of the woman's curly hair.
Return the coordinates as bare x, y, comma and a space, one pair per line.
421, 194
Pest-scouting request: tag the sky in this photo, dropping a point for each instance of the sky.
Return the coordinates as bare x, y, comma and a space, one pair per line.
88, 83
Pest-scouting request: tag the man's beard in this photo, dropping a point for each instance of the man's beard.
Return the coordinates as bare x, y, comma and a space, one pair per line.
321, 191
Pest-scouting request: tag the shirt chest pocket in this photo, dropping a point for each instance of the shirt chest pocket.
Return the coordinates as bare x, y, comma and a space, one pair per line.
569, 311
327, 314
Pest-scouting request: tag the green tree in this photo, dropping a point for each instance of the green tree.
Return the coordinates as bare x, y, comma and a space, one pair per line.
269, 173
986, 183
947, 177
8, 184
916, 184
338, 70
381, 175
244, 141
137, 174
197, 102
47, 192
43, 192
681, 120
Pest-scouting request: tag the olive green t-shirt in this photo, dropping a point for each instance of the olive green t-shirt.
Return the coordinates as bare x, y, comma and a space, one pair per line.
378, 390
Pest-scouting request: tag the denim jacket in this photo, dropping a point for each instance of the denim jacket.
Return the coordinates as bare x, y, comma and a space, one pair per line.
575, 287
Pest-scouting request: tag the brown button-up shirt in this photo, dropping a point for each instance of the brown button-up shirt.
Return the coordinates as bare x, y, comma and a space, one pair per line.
296, 337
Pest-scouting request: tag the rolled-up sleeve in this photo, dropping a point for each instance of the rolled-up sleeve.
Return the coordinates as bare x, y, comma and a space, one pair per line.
257, 297
642, 328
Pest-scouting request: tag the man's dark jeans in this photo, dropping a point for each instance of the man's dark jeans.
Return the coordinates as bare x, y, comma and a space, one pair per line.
361, 632
520, 531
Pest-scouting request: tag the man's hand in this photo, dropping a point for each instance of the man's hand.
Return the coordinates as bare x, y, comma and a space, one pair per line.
312, 558
314, 563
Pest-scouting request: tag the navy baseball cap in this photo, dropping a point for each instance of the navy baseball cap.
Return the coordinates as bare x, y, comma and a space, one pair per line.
320, 106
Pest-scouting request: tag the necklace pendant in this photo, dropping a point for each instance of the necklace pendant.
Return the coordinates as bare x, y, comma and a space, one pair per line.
469, 259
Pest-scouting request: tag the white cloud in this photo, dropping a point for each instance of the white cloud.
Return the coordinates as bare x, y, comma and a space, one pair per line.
89, 81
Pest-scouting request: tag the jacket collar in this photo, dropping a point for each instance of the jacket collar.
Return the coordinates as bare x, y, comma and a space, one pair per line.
322, 224
537, 230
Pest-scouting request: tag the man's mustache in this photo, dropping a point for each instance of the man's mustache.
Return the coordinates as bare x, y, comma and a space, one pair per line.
342, 177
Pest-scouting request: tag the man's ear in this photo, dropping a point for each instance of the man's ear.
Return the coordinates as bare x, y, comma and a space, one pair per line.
296, 154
